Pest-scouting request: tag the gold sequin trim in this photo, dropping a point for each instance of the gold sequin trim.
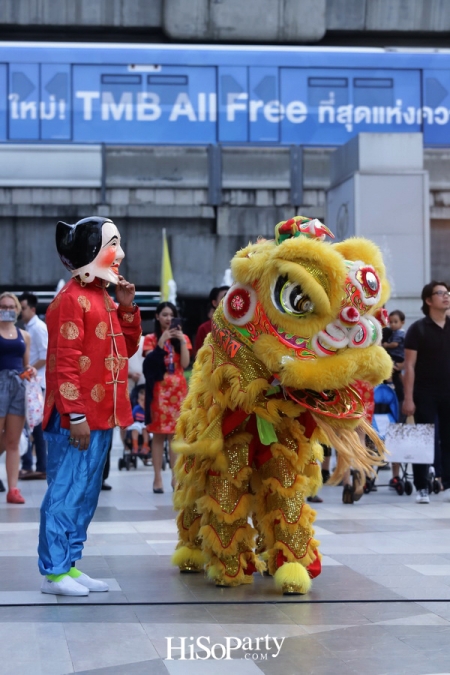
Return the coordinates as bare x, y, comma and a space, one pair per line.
101, 330
231, 562
84, 303
190, 566
115, 362
69, 391
287, 440
50, 399
237, 456
190, 515
52, 363
69, 330
226, 531
127, 394
84, 363
318, 275
297, 541
291, 507
129, 318
279, 468
189, 463
98, 393
225, 493
249, 367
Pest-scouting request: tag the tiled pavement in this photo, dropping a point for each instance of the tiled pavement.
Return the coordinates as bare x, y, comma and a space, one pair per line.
383, 550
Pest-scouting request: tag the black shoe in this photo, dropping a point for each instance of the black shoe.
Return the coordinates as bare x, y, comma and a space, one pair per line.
158, 491
325, 475
2, 487
105, 486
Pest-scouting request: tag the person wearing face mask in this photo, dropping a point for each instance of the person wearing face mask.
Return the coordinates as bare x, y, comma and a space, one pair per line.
37, 330
90, 341
14, 369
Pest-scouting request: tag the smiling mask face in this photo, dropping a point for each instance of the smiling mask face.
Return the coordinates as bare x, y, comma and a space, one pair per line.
90, 249
106, 264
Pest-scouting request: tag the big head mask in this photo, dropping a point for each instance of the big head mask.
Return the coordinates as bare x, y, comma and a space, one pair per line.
90, 248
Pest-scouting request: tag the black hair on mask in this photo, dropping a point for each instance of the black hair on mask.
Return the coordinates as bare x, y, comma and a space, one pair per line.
79, 244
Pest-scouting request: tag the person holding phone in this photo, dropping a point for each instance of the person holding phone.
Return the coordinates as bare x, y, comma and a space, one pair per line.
167, 354
14, 369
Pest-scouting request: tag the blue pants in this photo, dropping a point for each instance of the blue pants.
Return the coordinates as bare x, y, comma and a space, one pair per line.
74, 480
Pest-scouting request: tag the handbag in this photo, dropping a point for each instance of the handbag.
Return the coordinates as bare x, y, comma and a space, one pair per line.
34, 403
410, 443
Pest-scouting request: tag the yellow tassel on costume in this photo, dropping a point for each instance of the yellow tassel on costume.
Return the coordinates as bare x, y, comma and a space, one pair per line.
292, 578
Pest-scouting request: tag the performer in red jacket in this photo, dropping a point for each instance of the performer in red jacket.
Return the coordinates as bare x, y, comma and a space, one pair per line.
90, 340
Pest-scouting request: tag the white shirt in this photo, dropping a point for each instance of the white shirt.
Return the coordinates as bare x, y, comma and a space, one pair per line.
39, 344
135, 363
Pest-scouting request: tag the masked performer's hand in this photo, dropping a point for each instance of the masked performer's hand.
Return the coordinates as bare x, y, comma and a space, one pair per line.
80, 435
125, 292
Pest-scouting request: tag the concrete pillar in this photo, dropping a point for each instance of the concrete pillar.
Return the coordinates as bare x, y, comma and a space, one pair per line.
379, 190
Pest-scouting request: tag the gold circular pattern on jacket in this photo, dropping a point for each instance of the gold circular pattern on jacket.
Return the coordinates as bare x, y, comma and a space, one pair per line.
98, 393
129, 318
115, 362
52, 363
111, 422
69, 391
109, 302
50, 399
69, 330
84, 303
101, 330
85, 363
56, 302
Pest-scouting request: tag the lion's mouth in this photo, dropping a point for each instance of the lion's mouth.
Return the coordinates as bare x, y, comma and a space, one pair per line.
342, 403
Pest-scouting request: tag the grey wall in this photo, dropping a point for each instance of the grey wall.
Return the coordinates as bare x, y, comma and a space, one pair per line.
151, 188
256, 21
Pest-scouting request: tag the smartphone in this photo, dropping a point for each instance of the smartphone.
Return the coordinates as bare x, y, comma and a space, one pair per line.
175, 322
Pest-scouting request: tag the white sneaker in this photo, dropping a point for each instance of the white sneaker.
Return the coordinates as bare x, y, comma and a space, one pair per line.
423, 497
92, 584
66, 586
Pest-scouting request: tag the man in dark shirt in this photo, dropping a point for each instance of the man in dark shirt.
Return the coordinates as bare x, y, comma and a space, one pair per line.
427, 377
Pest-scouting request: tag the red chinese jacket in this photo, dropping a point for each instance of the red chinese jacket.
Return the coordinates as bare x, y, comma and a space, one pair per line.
89, 341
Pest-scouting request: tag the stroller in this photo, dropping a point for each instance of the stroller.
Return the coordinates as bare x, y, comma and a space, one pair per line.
387, 412
130, 458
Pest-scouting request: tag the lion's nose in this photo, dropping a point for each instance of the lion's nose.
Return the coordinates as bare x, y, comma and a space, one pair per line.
349, 316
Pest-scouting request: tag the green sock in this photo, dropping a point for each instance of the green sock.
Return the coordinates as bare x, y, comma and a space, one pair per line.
57, 577
74, 573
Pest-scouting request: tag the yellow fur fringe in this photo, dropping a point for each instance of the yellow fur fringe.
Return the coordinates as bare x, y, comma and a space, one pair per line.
185, 555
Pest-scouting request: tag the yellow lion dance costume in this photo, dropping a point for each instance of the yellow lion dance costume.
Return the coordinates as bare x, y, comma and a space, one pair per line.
271, 383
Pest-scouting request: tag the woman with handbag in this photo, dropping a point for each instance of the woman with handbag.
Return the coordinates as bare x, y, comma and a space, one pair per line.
14, 370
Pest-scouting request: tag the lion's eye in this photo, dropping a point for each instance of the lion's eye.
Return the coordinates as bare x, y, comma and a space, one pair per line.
290, 298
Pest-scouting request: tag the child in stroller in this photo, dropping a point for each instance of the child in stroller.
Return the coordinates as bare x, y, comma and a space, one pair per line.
137, 439
140, 444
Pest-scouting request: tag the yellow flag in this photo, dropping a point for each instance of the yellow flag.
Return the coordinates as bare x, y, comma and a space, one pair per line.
168, 287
